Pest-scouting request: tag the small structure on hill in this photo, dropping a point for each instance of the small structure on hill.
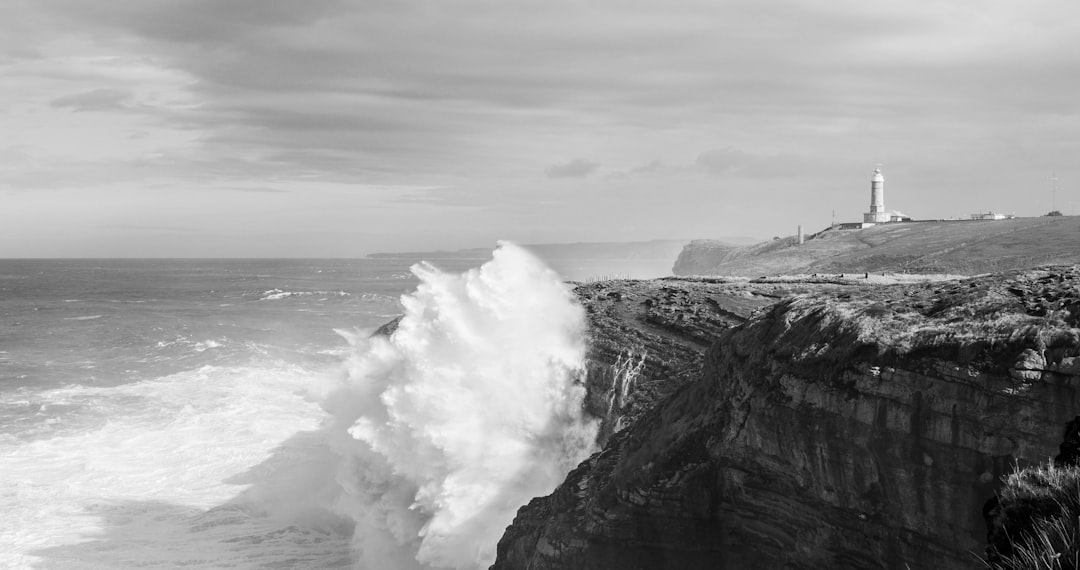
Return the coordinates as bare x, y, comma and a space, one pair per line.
992, 216
877, 213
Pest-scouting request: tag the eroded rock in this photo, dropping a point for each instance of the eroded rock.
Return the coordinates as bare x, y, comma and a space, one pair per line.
841, 427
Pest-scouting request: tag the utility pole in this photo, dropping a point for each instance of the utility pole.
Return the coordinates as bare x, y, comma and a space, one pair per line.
1053, 188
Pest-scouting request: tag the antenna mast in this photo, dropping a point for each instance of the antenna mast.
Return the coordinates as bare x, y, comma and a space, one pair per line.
1053, 187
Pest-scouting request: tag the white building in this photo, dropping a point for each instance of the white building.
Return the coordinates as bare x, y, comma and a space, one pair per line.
877, 213
992, 216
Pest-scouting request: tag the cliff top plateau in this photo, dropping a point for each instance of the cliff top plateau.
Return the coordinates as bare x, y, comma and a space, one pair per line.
956, 247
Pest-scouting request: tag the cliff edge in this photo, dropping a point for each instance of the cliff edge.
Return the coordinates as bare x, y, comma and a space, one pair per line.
816, 425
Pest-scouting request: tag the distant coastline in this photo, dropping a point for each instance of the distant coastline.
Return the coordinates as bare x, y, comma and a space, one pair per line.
651, 249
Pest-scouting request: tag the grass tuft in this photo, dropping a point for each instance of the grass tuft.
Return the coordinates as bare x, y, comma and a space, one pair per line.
1036, 523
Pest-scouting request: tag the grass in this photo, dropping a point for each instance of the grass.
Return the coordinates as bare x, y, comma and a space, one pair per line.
606, 277
1037, 521
957, 247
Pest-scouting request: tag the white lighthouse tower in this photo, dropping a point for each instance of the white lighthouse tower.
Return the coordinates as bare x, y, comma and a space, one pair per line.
877, 213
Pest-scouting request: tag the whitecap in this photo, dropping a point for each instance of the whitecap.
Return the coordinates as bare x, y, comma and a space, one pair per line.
203, 469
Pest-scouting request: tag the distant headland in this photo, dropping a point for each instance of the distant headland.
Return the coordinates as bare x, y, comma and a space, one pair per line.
966, 247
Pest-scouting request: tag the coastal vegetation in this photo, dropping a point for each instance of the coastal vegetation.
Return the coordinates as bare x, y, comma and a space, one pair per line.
1036, 521
967, 247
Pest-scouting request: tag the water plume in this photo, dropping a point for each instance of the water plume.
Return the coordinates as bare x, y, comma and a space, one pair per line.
468, 410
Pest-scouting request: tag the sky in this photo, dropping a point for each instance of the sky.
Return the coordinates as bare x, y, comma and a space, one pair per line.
337, 128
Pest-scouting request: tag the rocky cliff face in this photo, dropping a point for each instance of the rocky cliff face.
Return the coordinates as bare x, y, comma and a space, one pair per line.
647, 338
841, 427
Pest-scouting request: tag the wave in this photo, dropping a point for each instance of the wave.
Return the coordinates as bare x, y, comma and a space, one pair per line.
205, 468
187, 343
413, 454
278, 294
468, 410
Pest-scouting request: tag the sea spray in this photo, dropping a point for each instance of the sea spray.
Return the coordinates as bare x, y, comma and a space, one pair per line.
626, 372
468, 410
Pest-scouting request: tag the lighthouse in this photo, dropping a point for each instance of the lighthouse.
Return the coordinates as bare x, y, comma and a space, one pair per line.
877, 213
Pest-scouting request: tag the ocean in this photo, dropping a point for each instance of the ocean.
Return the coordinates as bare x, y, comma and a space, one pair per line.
236, 414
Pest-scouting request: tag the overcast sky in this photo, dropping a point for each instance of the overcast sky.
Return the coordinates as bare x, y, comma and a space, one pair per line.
292, 128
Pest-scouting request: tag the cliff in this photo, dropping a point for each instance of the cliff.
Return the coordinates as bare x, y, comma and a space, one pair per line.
958, 247
647, 338
843, 426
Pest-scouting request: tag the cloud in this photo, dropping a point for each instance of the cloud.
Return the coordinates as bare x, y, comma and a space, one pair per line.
650, 167
95, 100
577, 168
144, 228
382, 88
739, 163
482, 93
724, 162
259, 190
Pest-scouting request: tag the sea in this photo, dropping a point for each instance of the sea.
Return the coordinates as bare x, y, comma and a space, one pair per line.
239, 414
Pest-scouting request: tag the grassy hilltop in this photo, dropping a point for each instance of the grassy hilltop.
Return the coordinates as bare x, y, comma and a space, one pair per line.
956, 247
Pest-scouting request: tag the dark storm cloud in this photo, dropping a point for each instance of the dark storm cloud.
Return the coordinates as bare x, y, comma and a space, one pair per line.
96, 100
577, 168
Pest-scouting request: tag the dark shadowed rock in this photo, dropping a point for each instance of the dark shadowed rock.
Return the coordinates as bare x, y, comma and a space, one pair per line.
842, 426
389, 328
1069, 450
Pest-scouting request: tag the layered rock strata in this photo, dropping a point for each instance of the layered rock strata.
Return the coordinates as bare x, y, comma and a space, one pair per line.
647, 338
843, 427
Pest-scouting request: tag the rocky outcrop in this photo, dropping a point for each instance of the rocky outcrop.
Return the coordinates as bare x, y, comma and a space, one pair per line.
841, 427
647, 338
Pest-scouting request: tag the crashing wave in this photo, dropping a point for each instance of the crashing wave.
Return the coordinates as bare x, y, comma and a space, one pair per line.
467, 411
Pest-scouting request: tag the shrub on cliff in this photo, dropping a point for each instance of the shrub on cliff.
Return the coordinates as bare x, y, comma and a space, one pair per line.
1035, 521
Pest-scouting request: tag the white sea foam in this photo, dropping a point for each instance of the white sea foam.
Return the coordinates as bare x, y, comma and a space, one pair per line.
278, 294
206, 345
416, 455
471, 408
200, 469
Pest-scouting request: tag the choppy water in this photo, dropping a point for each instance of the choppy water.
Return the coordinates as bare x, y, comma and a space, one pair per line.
189, 413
